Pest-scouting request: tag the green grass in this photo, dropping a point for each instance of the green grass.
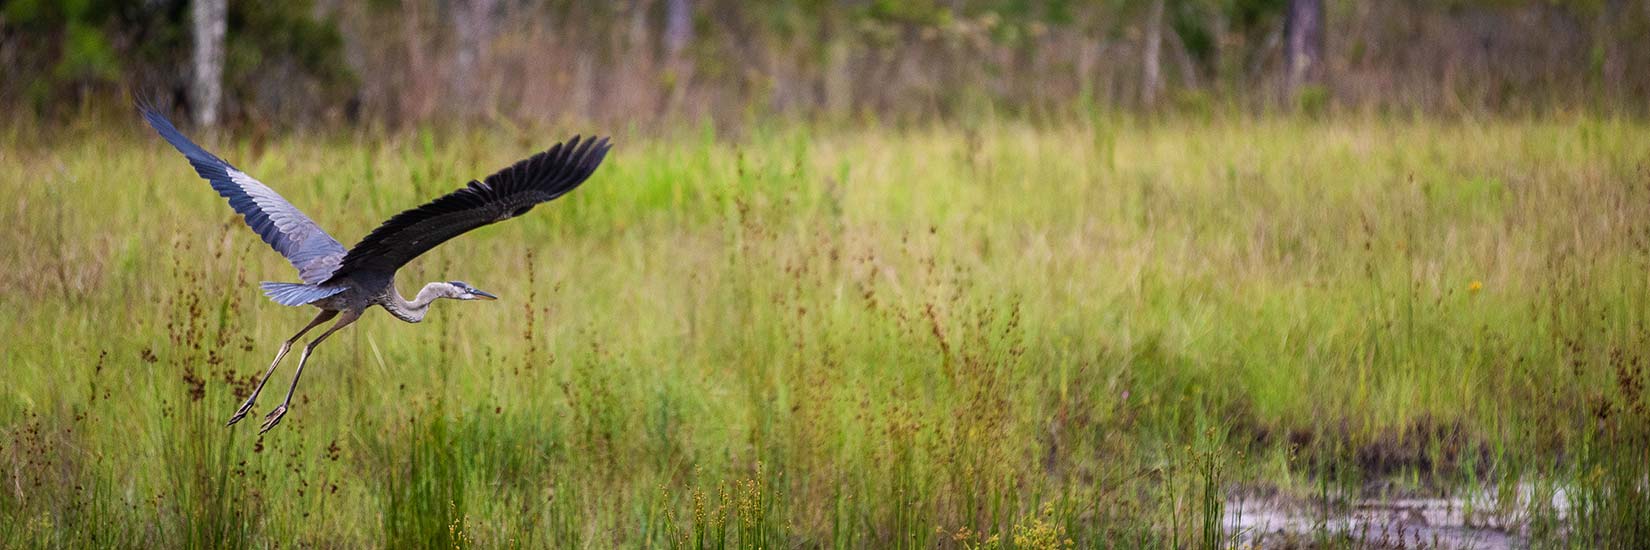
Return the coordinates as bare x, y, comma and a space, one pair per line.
996, 335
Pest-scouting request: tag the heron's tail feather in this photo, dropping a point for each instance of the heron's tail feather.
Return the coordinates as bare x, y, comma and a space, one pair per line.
296, 294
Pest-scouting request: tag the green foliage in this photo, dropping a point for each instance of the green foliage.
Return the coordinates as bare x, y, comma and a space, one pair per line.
86, 55
1248, 15
918, 12
1192, 21
266, 35
1312, 99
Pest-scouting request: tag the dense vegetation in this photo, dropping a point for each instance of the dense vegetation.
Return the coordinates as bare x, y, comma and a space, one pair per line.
975, 334
402, 62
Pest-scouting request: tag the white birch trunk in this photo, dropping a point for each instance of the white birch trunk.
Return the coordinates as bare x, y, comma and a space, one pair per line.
678, 27
1151, 76
1303, 43
678, 32
473, 21
206, 92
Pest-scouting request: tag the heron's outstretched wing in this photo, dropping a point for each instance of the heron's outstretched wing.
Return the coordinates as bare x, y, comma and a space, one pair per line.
506, 194
310, 249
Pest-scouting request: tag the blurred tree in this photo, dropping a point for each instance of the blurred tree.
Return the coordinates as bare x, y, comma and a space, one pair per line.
284, 63
1151, 79
678, 32
678, 26
1303, 29
209, 19
473, 24
640, 32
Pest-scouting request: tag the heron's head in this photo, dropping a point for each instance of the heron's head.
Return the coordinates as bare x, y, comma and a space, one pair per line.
463, 291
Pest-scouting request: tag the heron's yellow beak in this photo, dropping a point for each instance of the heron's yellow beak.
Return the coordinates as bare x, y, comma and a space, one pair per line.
483, 294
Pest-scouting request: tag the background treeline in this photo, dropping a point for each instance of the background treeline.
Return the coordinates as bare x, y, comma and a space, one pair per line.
641, 61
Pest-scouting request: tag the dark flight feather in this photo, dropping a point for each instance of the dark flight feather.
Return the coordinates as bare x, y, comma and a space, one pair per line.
508, 193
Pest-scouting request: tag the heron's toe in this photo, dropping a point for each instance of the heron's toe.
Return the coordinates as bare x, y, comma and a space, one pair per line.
273, 418
241, 412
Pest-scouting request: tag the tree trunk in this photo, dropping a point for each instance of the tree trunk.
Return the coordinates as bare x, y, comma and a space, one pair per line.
414, 94
635, 78
206, 93
1183, 60
678, 27
1612, 42
837, 85
678, 33
583, 96
1303, 32
1151, 77
473, 21
640, 29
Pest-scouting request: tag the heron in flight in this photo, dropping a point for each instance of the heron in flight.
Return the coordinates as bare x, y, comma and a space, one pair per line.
343, 283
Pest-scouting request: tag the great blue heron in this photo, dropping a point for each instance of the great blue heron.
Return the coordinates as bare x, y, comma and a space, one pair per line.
344, 283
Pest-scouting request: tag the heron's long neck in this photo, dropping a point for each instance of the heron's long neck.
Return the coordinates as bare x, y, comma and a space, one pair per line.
413, 312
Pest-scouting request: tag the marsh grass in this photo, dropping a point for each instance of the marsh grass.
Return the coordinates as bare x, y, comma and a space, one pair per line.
994, 335
425, 487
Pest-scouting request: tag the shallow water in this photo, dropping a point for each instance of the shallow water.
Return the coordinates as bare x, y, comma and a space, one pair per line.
1272, 521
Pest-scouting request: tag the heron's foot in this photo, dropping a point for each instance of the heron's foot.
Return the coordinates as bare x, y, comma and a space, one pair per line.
239, 414
273, 418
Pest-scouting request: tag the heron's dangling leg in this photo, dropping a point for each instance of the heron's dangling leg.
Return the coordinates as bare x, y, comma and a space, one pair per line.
326, 315
274, 416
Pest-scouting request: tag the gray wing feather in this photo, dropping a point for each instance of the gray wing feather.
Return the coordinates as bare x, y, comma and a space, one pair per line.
294, 294
310, 249
506, 194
